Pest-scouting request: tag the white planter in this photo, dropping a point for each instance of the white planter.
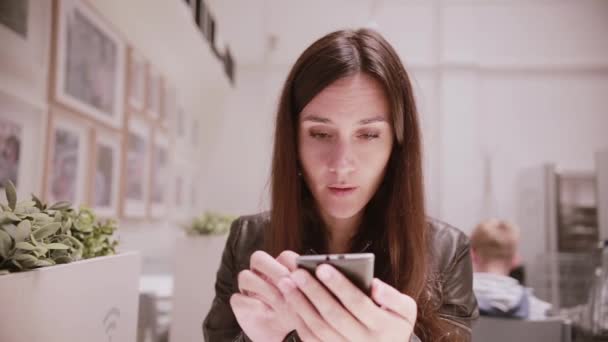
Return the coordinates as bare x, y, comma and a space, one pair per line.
196, 263
90, 300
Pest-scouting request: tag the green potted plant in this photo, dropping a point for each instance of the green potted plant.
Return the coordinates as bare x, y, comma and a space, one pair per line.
57, 261
194, 288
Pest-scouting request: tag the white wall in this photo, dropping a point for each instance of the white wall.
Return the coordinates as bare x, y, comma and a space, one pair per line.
519, 82
164, 32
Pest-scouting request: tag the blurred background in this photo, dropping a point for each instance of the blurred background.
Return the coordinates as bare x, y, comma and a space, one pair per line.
155, 112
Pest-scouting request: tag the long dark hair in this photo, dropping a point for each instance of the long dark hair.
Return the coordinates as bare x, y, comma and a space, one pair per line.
395, 216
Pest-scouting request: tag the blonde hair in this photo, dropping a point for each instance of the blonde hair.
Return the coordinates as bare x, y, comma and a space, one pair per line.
495, 240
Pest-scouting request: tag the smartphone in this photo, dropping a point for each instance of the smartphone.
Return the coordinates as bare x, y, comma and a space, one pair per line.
357, 267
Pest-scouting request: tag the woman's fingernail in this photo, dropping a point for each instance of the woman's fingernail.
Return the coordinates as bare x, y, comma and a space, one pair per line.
323, 272
285, 285
299, 278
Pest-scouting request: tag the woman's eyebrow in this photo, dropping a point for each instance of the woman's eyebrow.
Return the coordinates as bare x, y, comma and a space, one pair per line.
319, 119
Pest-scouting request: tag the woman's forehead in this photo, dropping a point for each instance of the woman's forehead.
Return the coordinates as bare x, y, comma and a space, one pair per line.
354, 98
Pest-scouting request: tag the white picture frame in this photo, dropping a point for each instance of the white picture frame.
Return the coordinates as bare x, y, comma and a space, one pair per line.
30, 121
136, 169
67, 159
160, 176
24, 59
137, 81
169, 104
105, 173
86, 79
154, 92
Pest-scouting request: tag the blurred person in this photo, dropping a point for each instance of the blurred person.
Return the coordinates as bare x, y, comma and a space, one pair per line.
346, 178
494, 252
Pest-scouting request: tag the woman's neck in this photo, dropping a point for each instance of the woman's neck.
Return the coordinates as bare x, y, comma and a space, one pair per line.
340, 232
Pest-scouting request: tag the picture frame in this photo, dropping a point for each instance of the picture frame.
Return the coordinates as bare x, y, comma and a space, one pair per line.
159, 177
169, 104
89, 64
104, 176
136, 169
24, 57
67, 158
154, 92
22, 162
137, 81
194, 134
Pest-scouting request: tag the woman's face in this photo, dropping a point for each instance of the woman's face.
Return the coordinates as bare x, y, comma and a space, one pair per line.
345, 141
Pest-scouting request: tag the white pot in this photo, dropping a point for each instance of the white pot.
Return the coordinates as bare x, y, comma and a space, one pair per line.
197, 261
89, 300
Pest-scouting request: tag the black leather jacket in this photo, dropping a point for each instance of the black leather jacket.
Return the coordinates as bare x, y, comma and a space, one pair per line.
452, 263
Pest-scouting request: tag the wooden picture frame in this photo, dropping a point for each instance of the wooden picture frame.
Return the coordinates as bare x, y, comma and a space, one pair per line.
136, 165
22, 137
154, 90
89, 66
67, 158
159, 177
24, 56
137, 78
104, 176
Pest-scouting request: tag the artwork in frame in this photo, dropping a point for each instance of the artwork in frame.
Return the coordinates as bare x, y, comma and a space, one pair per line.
169, 104
136, 91
195, 134
159, 175
89, 64
105, 175
136, 168
14, 14
67, 159
11, 140
154, 94
24, 55
22, 130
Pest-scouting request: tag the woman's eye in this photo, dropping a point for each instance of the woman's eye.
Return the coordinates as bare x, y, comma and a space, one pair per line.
320, 135
369, 136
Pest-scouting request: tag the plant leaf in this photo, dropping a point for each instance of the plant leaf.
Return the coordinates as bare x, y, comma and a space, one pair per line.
11, 194
26, 260
25, 246
5, 243
11, 216
44, 263
38, 202
47, 230
57, 246
11, 229
61, 205
24, 229
63, 260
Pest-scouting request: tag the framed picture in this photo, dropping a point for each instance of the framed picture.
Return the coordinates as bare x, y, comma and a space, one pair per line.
136, 91
136, 169
105, 175
169, 104
193, 188
24, 56
154, 94
89, 65
159, 191
195, 133
67, 159
22, 135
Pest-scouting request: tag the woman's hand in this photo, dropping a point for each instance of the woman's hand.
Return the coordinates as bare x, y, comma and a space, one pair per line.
388, 315
260, 308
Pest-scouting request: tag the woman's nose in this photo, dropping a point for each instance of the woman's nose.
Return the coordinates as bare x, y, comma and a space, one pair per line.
341, 162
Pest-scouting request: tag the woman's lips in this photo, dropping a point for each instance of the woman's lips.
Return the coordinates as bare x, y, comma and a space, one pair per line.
341, 190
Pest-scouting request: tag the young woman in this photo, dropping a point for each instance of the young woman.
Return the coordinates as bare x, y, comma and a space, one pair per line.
346, 177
